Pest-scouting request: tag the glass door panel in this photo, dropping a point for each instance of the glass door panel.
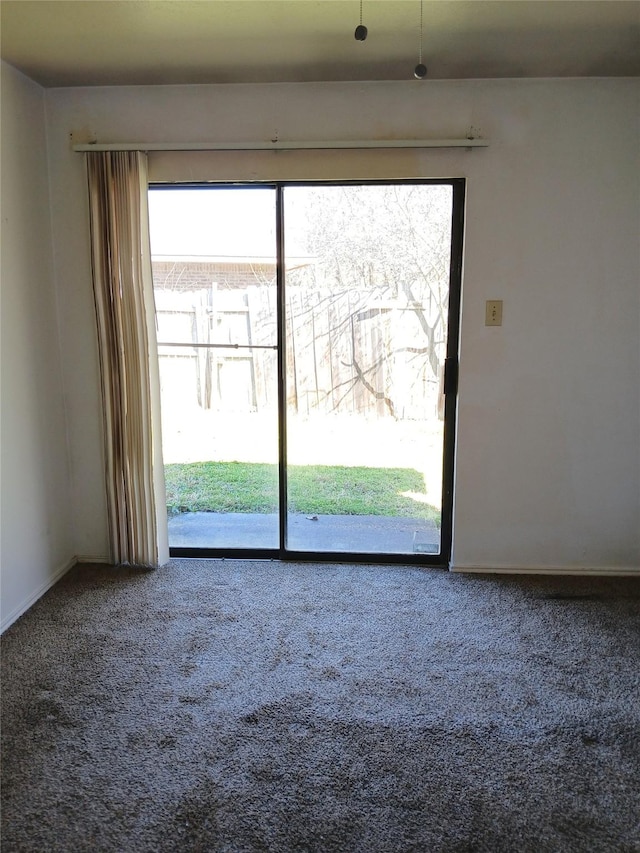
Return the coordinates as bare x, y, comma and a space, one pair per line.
214, 274
367, 273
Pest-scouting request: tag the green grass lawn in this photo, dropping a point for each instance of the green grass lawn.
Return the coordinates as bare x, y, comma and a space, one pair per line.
312, 489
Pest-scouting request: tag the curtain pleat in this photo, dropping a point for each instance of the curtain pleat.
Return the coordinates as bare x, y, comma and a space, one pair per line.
123, 292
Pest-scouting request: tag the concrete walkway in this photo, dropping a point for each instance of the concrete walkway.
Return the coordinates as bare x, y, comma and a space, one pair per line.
368, 534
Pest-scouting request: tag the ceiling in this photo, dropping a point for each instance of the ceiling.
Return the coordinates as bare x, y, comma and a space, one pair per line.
125, 42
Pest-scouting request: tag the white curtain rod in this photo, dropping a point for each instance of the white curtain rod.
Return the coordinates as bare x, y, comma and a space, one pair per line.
281, 146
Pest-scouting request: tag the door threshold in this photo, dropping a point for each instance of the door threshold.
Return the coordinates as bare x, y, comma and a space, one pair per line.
424, 560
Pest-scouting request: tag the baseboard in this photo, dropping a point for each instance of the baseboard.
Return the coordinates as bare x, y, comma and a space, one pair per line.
82, 558
45, 587
31, 599
586, 571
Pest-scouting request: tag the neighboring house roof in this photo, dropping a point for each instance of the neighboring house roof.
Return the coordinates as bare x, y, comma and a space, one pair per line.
290, 260
195, 272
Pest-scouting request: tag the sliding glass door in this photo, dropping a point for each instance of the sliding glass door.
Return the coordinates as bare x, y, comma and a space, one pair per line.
307, 347
366, 321
214, 274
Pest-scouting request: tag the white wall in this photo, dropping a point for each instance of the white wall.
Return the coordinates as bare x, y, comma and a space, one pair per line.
36, 541
548, 471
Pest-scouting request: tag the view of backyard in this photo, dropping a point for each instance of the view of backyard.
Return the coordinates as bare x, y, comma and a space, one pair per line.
320, 489
366, 280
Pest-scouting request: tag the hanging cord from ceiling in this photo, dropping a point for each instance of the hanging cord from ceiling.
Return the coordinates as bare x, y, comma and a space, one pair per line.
420, 71
361, 31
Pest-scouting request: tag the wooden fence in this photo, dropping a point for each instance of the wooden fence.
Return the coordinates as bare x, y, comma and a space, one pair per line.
345, 352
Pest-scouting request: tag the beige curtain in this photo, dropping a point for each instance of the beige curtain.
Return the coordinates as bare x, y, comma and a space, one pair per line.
123, 293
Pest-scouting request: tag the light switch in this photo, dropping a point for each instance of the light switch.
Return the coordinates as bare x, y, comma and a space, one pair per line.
493, 312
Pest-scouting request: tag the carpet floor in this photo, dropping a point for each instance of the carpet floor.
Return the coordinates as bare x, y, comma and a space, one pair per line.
227, 705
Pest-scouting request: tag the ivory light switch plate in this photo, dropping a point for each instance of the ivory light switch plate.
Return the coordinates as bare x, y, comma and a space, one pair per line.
493, 312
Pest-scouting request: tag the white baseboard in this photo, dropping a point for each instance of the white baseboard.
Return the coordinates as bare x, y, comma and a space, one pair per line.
38, 593
84, 559
586, 571
45, 587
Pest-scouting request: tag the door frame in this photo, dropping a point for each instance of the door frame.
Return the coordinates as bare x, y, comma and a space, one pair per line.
441, 560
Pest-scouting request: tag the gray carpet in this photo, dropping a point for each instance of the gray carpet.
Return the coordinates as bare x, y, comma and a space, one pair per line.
260, 706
